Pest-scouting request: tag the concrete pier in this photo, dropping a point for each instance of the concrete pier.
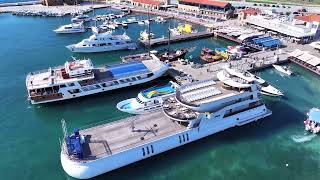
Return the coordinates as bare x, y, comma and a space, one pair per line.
183, 37
253, 62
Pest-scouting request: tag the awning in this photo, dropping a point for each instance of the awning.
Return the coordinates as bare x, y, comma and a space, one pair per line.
314, 61
296, 53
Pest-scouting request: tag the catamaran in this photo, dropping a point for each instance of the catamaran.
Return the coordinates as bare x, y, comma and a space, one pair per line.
78, 78
197, 110
148, 100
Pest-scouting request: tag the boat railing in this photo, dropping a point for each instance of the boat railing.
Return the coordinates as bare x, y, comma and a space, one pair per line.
106, 122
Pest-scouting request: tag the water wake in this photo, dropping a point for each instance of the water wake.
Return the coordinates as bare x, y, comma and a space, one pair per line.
303, 138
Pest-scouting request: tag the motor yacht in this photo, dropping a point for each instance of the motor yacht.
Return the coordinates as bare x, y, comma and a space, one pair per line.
71, 28
102, 42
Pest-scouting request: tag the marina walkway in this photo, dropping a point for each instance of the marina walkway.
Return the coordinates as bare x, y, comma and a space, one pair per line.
183, 37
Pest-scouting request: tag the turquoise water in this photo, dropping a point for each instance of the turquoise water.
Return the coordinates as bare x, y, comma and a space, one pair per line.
30, 134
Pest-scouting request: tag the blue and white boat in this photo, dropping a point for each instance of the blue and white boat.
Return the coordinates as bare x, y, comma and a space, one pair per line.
78, 78
312, 124
148, 100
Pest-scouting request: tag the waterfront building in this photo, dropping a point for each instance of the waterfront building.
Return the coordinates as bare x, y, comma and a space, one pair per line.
243, 14
150, 4
209, 8
306, 60
295, 30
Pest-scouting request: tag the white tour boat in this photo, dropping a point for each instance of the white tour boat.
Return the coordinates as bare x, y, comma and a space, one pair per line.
198, 110
80, 78
102, 42
234, 78
71, 28
282, 69
148, 100
81, 18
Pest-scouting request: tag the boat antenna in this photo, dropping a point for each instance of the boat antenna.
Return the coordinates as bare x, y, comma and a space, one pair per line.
169, 36
149, 31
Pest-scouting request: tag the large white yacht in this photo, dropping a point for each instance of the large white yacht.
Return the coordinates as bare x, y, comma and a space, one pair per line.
148, 100
78, 78
197, 110
234, 78
101, 42
71, 28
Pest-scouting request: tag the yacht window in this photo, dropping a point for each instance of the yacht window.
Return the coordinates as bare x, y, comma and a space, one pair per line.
97, 86
84, 45
122, 81
152, 149
109, 44
143, 152
187, 137
148, 152
134, 79
183, 138
180, 139
128, 79
93, 44
103, 44
139, 77
115, 82
63, 86
71, 84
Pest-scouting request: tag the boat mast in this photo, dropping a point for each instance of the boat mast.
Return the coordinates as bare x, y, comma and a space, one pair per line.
149, 31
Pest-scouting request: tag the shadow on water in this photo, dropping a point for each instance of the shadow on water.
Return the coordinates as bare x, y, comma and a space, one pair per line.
254, 131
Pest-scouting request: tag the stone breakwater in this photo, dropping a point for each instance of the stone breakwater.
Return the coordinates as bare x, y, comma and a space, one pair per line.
40, 10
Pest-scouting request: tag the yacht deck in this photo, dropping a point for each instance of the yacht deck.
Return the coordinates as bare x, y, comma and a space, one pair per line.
120, 135
203, 92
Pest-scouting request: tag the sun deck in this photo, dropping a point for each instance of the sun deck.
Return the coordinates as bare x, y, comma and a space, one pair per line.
111, 138
203, 92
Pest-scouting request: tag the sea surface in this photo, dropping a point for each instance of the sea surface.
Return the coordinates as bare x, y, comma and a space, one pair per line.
29, 148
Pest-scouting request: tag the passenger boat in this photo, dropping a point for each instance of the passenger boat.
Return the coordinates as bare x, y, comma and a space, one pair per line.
233, 78
282, 69
148, 100
81, 18
71, 28
102, 42
197, 110
312, 123
209, 55
78, 78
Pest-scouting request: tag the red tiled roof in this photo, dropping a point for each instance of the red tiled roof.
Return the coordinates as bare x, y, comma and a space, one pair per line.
207, 2
309, 18
151, 2
251, 11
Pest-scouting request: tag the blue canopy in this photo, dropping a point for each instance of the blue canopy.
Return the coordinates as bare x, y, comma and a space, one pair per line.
260, 40
127, 69
314, 115
271, 43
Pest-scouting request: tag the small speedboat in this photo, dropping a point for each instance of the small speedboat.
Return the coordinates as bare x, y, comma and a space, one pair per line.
81, 18
145, 35
282, 69
312, 123
141, 23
